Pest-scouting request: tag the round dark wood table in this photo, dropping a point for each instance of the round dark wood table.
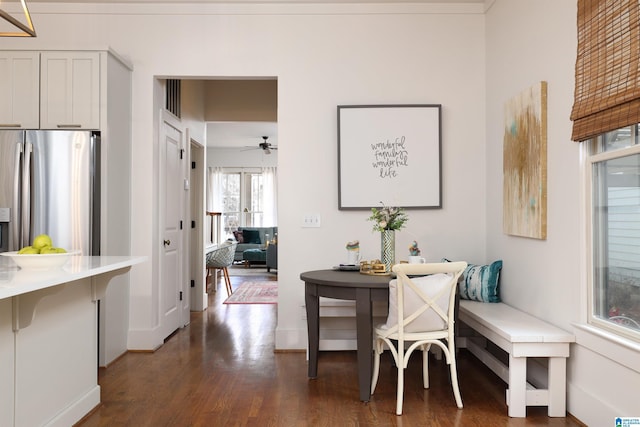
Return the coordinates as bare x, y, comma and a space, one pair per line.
345, 285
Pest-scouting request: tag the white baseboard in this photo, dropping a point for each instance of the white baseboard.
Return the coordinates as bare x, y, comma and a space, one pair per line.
588, 409
78, 409
291, 339
144, 339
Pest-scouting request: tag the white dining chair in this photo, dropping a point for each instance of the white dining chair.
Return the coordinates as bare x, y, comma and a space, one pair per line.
421, 313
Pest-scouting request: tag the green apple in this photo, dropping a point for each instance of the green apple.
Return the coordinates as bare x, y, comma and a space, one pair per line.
49, 250
42, 240
28, 250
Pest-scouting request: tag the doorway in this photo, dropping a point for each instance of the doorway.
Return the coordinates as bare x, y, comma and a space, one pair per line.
203, 103
241, 116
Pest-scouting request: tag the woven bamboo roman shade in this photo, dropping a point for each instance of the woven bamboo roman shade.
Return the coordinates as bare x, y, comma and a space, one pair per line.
607, 92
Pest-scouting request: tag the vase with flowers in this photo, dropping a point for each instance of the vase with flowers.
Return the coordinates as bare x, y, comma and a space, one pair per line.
387, 220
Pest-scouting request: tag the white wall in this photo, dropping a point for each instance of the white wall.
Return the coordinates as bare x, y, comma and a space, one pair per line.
322, 56
193, 105
529, 41
520, 52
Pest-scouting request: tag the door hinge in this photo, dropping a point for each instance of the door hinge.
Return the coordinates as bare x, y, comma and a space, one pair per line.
181, 153
193, 224
193, 283
193, 165
180, 295
180, 224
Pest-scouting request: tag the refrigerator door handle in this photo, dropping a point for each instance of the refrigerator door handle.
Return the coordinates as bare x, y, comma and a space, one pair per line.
15, 214
26, 195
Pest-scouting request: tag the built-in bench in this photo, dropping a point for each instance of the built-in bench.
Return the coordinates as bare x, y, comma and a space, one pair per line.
522, 336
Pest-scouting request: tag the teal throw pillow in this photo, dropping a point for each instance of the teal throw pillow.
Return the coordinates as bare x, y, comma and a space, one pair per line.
480, 282
251, 236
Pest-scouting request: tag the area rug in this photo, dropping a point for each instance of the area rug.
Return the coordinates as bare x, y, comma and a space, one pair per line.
254, 270
255, 293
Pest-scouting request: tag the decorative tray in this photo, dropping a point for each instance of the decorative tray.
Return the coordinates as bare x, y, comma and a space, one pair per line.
374, 268
375, 273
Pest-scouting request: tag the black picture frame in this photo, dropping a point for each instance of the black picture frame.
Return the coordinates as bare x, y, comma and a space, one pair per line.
390, 154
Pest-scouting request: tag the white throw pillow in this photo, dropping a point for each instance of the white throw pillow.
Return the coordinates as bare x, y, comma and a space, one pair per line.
428, 321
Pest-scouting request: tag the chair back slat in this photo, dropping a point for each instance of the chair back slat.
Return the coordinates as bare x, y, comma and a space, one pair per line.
425, 296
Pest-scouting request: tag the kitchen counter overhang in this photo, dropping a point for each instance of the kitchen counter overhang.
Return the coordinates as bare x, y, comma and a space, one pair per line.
15, 281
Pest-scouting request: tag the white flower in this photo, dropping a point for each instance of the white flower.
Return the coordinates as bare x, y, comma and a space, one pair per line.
387, 218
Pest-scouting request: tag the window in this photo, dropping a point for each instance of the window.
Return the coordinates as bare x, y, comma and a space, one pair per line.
614, 171
242, 200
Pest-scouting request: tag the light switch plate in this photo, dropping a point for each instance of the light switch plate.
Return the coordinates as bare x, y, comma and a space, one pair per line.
311, 220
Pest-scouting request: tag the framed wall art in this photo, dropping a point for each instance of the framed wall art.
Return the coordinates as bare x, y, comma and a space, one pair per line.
389, 154
525, 164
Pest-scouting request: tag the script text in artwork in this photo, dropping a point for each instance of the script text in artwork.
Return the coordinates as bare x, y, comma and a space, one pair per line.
389, 156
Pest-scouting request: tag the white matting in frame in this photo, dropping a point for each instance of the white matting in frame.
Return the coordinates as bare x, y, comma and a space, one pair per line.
389, 154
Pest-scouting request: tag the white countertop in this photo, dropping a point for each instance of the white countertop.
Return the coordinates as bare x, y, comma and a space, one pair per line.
15, 281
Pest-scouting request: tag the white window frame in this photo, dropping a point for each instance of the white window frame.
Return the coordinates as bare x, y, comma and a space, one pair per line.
605, 328
612, 346
243, 175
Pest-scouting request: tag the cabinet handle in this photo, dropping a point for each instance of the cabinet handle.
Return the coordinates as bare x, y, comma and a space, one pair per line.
69, 126
10, 125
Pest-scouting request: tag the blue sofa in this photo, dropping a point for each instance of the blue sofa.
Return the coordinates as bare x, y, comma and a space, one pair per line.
252, 238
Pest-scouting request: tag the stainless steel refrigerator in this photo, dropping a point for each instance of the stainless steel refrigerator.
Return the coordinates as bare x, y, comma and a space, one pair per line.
49, 184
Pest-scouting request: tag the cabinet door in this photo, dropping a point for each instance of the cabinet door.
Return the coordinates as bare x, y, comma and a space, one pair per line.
19, 90
70, 90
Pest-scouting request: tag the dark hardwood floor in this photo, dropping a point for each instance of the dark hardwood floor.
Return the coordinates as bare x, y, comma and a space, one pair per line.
222, 370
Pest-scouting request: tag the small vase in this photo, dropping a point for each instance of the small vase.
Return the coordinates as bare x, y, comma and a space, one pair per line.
388, 249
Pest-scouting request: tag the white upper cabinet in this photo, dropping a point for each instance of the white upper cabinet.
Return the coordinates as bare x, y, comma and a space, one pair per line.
70, 90
19, 90
49, 90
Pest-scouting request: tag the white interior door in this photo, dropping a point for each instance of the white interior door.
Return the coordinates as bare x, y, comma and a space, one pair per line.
171, 229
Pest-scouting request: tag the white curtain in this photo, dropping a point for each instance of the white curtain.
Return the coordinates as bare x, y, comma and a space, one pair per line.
270, 194
214, 190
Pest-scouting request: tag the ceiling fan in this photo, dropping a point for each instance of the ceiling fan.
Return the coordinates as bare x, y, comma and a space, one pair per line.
266, 145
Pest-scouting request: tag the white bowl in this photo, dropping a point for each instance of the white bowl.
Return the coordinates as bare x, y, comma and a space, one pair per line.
39, 261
